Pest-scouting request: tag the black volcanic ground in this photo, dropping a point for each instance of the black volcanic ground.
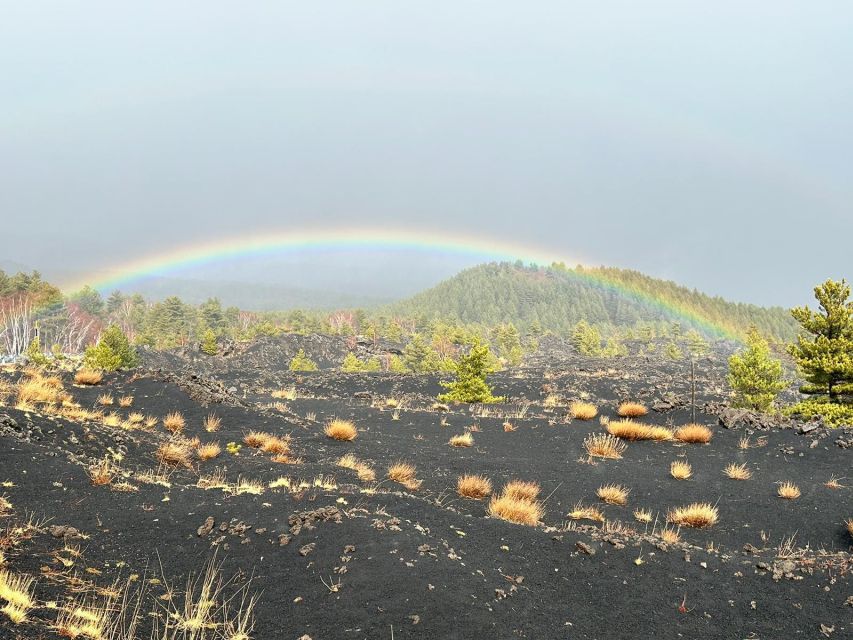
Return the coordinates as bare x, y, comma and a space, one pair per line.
335, 557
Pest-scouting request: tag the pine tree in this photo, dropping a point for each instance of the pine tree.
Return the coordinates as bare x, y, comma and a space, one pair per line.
112, 352
586, 339
697, 346
301, 362
208, 342
470, 384
419, 357
754, 375
826, 359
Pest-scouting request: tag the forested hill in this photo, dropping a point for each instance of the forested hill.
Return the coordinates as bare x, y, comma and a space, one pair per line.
557, 298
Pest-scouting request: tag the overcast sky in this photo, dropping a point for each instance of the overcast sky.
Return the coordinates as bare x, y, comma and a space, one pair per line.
705, 142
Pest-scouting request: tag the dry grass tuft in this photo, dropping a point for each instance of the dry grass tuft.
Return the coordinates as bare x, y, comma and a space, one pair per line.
788, 490
465, 440
174, 453
473, 486
680, 470
613, 494
365, 471
522, 489
343, 430
125, 401
285, 394
174, 422
643, 515
600, 445
404, 473
630, 430
105, 399
738, 471
17, 592
694, 434
697, 515
849, 523
88, 377
632, 410
112, 420
208, 451
151, 422
515, 510
670, 535
257, 439
276, 446
102, 472
834, 482
583, 410
212, 423
584, 512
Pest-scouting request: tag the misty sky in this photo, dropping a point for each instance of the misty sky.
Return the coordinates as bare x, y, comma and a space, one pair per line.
709, 143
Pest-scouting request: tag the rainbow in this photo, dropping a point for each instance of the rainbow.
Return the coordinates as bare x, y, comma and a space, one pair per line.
122, 276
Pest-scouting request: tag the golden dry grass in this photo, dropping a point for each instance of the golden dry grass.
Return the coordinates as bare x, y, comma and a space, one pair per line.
693, 434
112, 419
511, 509
36, 391
509, 427
522, 489
212, 422
102, 472
404, 473
365, 471
632, 410
697, 515
630, 430
737, 471
670, 535
834, 483
17, 592
151, 422
174, 422
105, 399
174, 453
583, 410
849, 523
788, 491
586, 512
464, 440
276, 446
135, 417
285, 394
125, 401
613, 494
343, 430
601, 445
208, 451
680, 470
88, 377
256, 439
473, 486
643, 515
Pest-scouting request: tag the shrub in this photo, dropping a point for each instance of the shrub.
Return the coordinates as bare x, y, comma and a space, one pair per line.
301, 362
693, 433
112, 352
832, 414
696, 515
352, 364
35, 355
341, 430
470, 384
473, 486
754, 376
208, 342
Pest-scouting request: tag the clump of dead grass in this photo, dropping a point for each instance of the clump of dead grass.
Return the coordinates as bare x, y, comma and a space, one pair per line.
174, 422
404, 473
174, 453
680, 470
788, 491
365, 471
464, 440
586, 512
643, 515
583, 410
522, 490
342, 430
613, 494
697, 515
102, 472
693, 434
89, 377
630, 430
17, 592
473, 486
601, 445
632, 410
212, 422
737, 471
125, 401
208, 451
